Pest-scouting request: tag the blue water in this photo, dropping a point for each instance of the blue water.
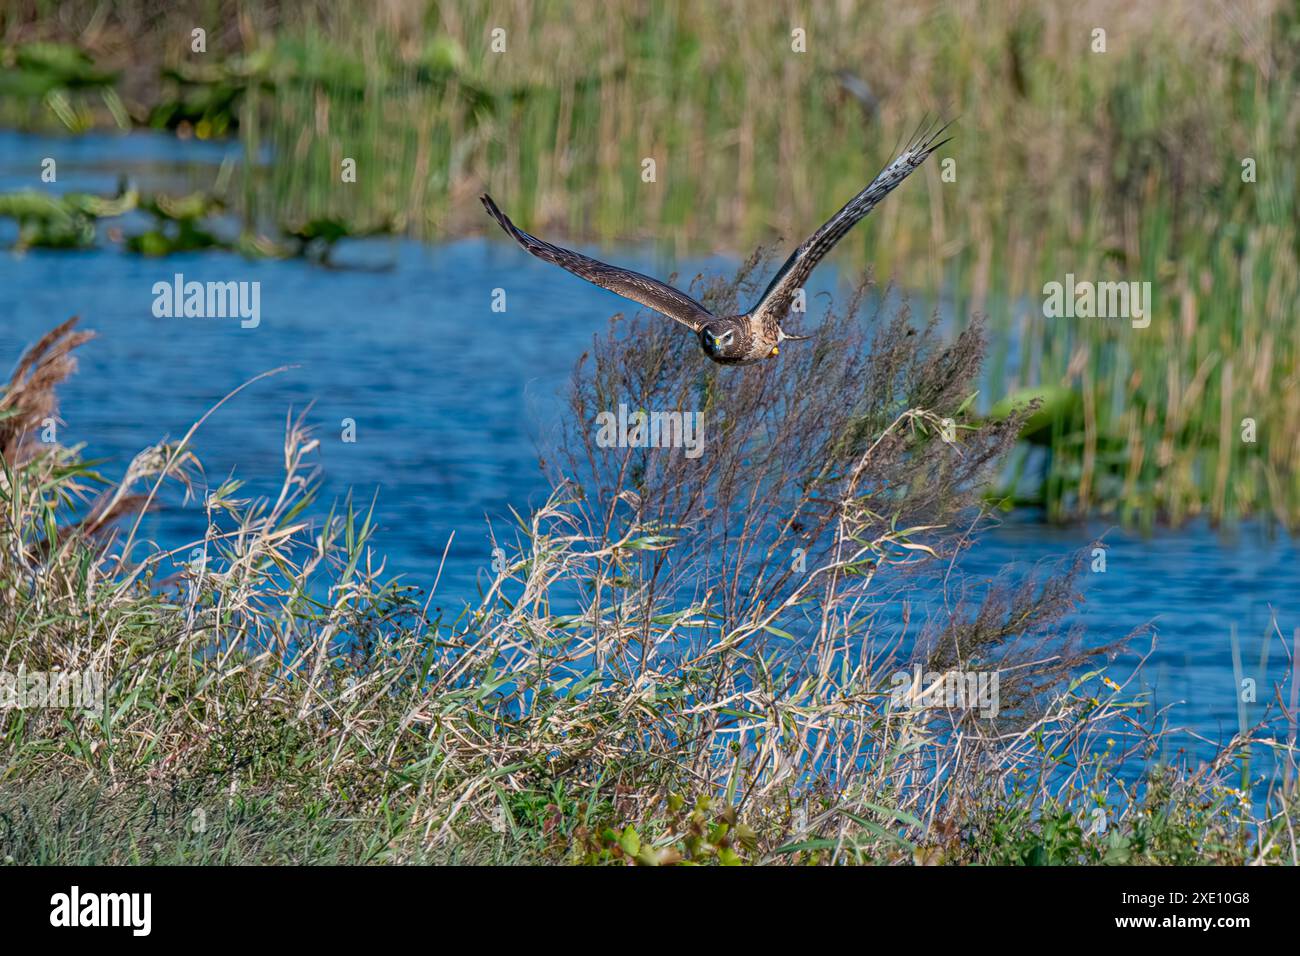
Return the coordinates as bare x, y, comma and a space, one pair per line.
453, 401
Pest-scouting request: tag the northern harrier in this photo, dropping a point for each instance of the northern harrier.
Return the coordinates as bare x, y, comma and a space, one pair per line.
754, 335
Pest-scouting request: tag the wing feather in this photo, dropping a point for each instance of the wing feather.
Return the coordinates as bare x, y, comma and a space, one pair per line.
649, 292
774, 304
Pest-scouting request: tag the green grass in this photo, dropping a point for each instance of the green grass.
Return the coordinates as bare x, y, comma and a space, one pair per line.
616, 694
1123, 165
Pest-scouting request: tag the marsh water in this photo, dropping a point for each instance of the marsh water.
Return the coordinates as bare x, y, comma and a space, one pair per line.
452, 401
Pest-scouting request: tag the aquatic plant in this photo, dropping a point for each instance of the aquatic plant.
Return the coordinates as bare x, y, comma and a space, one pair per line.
1165, 159
315, 239
179, 225
56, 75
652, 674
45, 221
63, 221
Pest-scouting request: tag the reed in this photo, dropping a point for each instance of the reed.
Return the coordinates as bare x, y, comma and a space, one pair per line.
1122, 165
647, 678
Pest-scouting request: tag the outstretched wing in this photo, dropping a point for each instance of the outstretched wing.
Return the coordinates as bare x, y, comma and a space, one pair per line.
772, 307
630, 285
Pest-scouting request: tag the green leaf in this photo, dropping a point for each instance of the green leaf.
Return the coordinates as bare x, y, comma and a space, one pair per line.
818, 843
902, 816
650, 542
630, 841
879, 831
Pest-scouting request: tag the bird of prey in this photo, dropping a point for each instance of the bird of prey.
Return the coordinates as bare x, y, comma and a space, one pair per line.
754, 335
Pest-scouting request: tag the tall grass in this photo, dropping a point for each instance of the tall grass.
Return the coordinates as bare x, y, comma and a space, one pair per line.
649, 678
1122, 165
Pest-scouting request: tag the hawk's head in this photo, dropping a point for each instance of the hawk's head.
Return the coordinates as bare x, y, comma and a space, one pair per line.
725, 340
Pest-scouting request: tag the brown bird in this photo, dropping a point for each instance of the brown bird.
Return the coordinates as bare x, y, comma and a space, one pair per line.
754, 335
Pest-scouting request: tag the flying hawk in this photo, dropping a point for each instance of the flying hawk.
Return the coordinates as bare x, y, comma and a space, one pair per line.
754, 335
